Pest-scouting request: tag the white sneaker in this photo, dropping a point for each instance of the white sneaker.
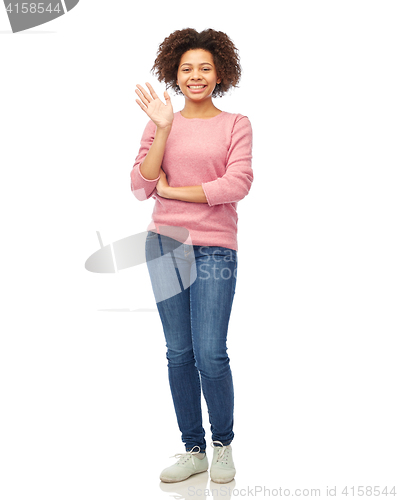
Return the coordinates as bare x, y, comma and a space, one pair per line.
187, 465
222, 468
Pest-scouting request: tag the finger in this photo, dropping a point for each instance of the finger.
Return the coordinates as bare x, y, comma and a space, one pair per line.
153, 93
145, 101
144, 93
141, 105
167, 98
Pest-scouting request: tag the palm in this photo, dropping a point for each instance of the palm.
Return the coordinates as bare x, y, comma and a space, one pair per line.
161, 114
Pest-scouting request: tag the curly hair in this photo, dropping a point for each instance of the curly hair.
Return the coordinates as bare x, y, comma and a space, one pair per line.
221, 47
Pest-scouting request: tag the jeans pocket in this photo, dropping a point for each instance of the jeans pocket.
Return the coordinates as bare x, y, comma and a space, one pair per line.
151, 235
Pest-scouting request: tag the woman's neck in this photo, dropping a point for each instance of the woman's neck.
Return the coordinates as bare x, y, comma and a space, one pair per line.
199, 110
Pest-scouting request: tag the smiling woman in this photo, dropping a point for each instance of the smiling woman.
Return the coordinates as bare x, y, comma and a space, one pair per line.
197, 79
223, 51
196, 164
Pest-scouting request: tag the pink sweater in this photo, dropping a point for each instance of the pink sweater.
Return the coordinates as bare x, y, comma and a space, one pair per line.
215, 153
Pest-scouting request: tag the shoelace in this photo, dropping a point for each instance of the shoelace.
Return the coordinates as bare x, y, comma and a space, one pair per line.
220, 453
186, 454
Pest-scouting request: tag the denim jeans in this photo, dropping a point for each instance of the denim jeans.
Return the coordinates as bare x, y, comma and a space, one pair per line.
195, 324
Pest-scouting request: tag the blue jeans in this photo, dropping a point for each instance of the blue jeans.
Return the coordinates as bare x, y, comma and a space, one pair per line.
195, 325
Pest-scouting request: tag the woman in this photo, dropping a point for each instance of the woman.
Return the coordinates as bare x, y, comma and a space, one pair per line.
196, 164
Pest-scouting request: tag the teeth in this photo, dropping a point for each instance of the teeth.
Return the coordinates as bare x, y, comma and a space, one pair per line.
196, 86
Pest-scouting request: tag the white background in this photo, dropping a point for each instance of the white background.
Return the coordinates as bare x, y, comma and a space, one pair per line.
86, 410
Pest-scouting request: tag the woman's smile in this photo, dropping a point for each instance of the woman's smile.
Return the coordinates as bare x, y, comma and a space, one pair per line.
196, 88
197, 76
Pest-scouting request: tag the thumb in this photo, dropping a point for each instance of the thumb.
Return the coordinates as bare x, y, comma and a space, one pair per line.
167, 97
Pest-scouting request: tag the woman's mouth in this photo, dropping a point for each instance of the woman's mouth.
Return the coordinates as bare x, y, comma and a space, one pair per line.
196, 88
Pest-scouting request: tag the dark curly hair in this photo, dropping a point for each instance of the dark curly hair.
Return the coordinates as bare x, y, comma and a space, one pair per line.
221, 47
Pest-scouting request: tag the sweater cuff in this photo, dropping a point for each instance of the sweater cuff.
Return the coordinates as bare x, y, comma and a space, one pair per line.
208, 192
145, 179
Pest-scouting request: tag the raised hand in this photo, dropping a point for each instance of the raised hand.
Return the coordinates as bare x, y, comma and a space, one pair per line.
161, 114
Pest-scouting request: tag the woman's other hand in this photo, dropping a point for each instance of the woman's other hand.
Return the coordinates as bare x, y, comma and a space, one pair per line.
162, 185
161, 114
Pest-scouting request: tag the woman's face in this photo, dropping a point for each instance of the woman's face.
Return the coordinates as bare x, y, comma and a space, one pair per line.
196, 75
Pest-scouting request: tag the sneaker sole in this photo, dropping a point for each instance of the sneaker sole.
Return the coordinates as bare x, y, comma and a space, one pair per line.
222, 481
166, 480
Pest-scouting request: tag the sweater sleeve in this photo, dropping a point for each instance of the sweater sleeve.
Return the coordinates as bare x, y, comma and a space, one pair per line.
141, 187
235, 184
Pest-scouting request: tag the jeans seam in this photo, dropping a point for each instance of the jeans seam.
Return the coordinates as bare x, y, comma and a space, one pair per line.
192, 341
193, 350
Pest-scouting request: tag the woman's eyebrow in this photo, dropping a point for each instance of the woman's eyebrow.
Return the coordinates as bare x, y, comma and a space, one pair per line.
190, 64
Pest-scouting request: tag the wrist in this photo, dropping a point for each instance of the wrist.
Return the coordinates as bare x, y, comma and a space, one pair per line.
164, 192
163, 131
167, 192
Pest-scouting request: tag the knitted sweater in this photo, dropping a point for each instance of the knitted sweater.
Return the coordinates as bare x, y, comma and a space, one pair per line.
215, 153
